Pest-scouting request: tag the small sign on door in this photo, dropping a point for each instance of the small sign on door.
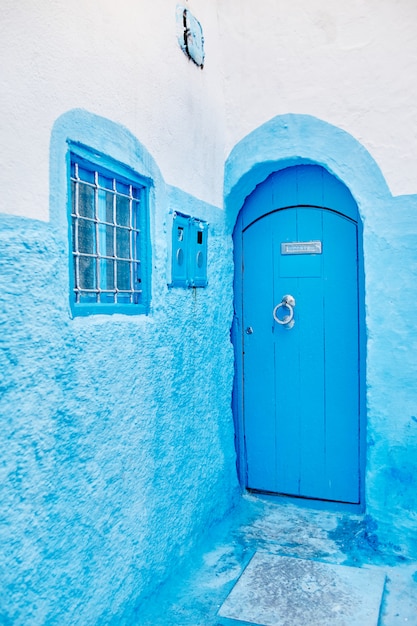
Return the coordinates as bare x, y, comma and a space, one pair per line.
301, 247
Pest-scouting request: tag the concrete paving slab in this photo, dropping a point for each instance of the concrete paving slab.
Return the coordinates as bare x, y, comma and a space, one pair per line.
284, 591
193, 596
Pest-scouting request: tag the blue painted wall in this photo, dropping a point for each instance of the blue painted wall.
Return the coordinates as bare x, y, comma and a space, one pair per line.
117, 431
390, 263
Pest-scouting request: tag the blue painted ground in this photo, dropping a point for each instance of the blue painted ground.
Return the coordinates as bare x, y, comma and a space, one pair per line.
195, 596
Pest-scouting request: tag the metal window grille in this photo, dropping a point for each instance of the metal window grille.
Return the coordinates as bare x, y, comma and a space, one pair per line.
107, 241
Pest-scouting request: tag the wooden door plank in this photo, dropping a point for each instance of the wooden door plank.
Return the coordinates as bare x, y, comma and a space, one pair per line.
258, 373
342, 358
283, 225
311, 330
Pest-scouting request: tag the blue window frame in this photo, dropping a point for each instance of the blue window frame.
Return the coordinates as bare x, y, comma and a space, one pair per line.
109, 206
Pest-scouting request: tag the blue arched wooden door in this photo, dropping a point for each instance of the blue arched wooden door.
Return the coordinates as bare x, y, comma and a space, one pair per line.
301, 385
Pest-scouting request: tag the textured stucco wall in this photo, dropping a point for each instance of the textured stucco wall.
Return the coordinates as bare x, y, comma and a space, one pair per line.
117, 436
389, 246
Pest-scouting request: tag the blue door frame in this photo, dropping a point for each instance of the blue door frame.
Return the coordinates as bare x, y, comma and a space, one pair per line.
299, 186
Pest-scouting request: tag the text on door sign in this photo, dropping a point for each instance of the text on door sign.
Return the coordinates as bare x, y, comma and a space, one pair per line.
301, 247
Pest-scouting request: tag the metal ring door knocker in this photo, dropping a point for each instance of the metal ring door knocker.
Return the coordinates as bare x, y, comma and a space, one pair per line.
287, 302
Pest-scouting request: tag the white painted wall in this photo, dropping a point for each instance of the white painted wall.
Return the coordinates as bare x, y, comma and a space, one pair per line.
352, 64
119, 60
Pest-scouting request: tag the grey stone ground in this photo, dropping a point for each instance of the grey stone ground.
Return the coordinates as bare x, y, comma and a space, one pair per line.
197, 593
283, 590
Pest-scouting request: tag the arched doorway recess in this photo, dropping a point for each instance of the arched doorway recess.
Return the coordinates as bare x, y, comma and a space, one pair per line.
299, 384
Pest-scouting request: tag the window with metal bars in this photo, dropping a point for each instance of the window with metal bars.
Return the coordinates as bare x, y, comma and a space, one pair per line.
109, 235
